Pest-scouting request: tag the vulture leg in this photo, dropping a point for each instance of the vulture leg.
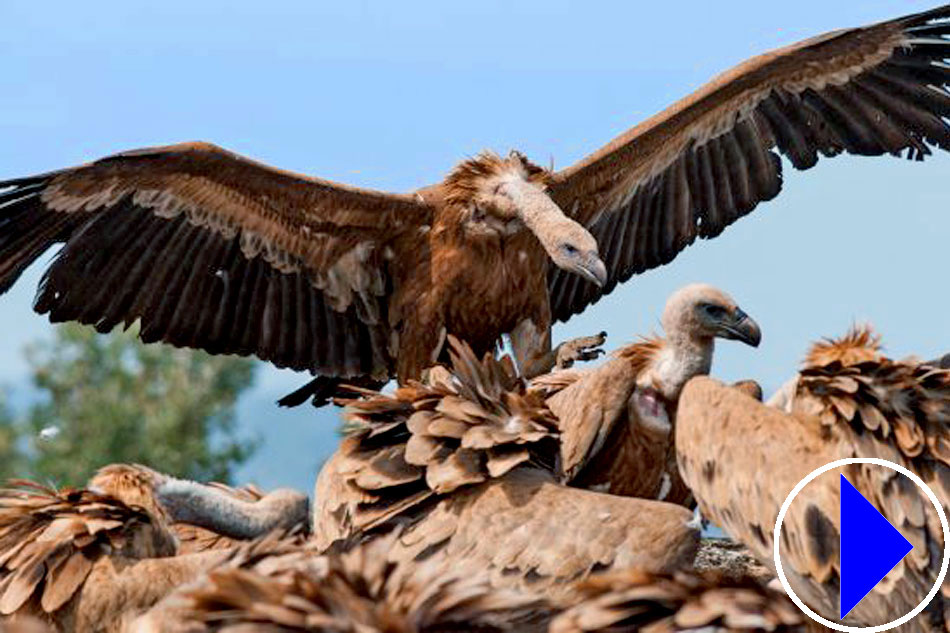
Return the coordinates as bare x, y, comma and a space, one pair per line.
535, 356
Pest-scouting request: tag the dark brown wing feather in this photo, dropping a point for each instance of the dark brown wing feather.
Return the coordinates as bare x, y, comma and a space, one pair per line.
706, 161
213, 251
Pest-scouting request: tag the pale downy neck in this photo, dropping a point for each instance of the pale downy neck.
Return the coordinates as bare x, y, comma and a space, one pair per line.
212, 509
682, 358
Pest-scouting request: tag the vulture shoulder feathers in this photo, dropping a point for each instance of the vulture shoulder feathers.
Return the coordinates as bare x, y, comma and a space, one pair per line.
468, 462
849, 400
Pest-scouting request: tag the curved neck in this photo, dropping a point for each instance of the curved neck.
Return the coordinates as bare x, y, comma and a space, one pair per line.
213, 509
684, 357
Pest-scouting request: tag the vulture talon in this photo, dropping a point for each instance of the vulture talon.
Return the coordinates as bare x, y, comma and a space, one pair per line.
583, 348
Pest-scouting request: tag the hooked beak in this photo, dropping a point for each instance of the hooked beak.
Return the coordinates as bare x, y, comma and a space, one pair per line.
593, 270
741, 327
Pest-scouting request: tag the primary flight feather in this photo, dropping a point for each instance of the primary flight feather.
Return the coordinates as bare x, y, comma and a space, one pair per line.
213, 251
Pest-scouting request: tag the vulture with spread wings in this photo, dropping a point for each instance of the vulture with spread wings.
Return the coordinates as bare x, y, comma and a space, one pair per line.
211, 250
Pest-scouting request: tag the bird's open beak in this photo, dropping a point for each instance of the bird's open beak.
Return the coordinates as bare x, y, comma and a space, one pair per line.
593, 271
741, 327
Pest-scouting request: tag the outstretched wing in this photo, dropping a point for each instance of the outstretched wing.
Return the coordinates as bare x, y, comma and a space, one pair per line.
698, 166
213, 251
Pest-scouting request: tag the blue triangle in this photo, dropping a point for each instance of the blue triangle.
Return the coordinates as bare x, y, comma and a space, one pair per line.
870, 547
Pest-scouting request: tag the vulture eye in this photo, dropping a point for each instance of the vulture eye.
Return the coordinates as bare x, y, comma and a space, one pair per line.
715, 311
570, 249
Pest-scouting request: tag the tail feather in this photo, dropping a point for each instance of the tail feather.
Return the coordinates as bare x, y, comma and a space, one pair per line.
323, 389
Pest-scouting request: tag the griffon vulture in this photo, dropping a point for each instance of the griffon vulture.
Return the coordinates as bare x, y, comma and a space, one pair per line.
616, 421
205, 516
91, 559
273, 586
742, 458
466, 462
83, 561
212, 250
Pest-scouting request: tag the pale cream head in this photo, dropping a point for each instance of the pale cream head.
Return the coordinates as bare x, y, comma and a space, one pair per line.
702, 312
505, 195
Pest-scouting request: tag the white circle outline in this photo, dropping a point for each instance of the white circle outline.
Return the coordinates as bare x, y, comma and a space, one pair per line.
811, 477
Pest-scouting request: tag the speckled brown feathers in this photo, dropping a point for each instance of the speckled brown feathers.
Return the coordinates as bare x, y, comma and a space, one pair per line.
432, 437
860, 403
464, 182
631, 601
500, 503
904, 404
356, 591
50, 541
859, 345
605, 444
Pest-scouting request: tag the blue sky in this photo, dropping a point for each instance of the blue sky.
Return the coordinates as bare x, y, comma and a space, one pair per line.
391, 95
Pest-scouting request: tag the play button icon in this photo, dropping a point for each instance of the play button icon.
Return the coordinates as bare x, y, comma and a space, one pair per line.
870, 547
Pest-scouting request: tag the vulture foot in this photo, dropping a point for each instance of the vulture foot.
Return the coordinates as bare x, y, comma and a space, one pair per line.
583, 348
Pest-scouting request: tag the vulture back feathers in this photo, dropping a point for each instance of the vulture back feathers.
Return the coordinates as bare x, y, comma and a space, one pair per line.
431, 438
849, 400
629, 601
357, 590
467, 464
51, 541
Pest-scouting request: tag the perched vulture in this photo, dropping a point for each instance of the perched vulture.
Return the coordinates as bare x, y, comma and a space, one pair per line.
742, 459
205, 516
616, 421
630, 601
273, 587
211, 250
466, 462
91, 559
83, 561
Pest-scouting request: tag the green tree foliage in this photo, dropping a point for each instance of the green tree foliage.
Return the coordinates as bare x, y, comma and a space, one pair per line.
11, 456
112, 398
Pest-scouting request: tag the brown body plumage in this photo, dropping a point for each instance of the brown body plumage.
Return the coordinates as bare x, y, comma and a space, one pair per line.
214, 251
275, 587
849, 400
83, 561
630, 601
93, 559
617, 421
467, 462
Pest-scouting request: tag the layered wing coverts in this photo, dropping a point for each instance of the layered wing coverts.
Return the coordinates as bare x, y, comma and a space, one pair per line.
214, 251
711, 158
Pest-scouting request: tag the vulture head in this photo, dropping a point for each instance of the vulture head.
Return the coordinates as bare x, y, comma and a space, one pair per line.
701, 313
502, 195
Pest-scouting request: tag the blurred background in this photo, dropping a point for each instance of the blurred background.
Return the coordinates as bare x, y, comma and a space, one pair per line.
390, 96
